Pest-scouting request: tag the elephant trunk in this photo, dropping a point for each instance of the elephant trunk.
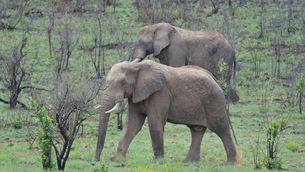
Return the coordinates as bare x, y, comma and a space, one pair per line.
138, 53
107, 103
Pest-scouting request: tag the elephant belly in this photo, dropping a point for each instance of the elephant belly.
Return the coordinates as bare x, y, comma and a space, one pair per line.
188, 115
205, 62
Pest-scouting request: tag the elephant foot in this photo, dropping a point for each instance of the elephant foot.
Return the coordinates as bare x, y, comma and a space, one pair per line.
232, 162
234, 158
158, 160
191, 159
117, 156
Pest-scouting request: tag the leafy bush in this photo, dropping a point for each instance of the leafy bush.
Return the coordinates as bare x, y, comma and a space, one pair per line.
223, 70
292, 146
45, 133
256, 154
17, 124
272, 163
16, 121
274, 131
101, 167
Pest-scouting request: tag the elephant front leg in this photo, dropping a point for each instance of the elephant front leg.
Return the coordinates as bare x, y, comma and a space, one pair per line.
133, 126
156, 129
194, 152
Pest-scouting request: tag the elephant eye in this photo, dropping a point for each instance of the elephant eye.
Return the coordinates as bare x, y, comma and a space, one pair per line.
123, 82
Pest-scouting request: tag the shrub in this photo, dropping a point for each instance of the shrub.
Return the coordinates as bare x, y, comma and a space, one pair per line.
292, 146
223, 70
256, 154
272, 163
45, 133
101, 167
17, 124
274, 131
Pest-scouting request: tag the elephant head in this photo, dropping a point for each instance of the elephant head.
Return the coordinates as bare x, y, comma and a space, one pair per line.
152, 40
135, 81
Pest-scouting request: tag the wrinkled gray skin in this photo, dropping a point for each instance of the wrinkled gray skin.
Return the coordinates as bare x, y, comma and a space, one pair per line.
186, 95
176, 47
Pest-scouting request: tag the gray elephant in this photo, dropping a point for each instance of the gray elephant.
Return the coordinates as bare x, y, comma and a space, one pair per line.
186, 95
176, 47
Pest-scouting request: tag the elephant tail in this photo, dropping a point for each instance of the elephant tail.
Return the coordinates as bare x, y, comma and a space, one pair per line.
234, 69
232, 94
231, 126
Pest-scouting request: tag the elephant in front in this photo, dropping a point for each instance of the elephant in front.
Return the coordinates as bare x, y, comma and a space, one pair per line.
186, 95
176, 47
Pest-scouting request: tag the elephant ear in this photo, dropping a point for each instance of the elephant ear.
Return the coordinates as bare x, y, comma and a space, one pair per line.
150, 79
162, 37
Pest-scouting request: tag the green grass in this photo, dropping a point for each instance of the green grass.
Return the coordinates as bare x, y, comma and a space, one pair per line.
15, 150
248, 116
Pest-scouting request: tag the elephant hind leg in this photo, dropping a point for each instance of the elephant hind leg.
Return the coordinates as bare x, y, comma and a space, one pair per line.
194, 151
224, 133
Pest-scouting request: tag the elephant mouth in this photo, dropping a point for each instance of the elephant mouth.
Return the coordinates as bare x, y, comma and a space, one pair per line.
136, 60
114, 108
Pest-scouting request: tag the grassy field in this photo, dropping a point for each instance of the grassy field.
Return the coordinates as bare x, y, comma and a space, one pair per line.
262, 94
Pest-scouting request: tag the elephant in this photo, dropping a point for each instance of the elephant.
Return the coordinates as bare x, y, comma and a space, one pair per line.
176, 47
184, 95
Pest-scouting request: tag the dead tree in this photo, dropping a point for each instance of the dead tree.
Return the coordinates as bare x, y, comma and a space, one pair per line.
215, 5
16, 18
230, 3
63, 5
70, 105
261, 21
278, 54
99, 53
67, 44
290, 27
51, 16
15, 74
201, 6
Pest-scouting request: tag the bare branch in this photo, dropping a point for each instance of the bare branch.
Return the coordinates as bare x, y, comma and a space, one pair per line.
34, 87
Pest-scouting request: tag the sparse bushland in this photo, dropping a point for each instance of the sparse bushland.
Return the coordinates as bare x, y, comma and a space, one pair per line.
269, 50
61, 116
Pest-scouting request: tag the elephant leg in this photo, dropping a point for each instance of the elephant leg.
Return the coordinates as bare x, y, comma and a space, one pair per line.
133, 126
194, 152
156, 129
226, 138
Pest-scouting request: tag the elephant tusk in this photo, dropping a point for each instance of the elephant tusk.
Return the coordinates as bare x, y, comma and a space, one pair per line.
114, 108
98, 106
136, 60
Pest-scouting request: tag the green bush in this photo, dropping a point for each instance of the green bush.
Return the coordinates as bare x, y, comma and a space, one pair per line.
45, 133
101, 167
17, 119
17, 124
223, 70
272, 163
274, 131
292, 146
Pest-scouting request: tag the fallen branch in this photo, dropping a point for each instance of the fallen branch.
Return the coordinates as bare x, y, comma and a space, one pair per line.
4, 26
35, 88
116, 45
20, 103
4, 101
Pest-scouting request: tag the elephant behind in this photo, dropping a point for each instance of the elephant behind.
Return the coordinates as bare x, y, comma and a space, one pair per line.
186, 95
176, 47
